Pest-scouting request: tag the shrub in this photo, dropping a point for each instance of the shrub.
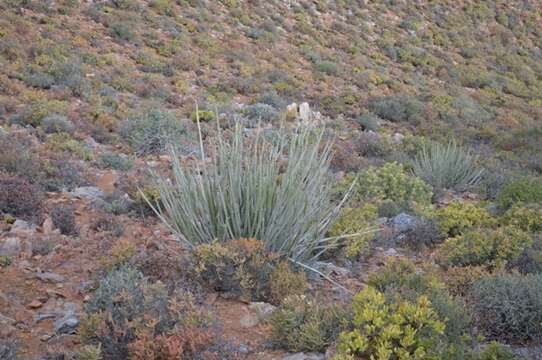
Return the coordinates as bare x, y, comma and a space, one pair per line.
527, 218
131, 318
391, 331
260, 112
19, 198
401, 280
56, 124
447, 166
458, 217
424, 233
243, 268
485, 247
459, 279
391, 182
5, 261
494, 351
398, 108
64, 219
353, 221
525, 190
252, 192
303, 324
367, 121
152, 132
509, 307
17, 159
64, 143
115, 162
9, 349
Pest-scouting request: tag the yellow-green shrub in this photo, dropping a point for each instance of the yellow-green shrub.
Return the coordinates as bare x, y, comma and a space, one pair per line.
527, 218
352, 221
63, 142
392, 182
243, 268
484, 247
457, 217
303, 324
393, 331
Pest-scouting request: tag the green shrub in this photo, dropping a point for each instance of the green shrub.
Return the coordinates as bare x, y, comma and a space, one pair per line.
243, 268
458, 217
353, 221
20, 199
63, 142
391, 182
493, 248
115, 162
509, 307
494, 351
525, 190
303, 324
152, 132
16, 158
252, 192
122, 30
401, 280
398, 108
131, 318
56, 124
64, 219
367, 121
393, 331
447, 166
527, 218
5, 261
260, 112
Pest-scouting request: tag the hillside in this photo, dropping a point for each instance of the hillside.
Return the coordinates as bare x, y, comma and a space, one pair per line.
434, 107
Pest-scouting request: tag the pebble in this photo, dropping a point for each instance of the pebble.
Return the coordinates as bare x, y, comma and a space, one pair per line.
50, 277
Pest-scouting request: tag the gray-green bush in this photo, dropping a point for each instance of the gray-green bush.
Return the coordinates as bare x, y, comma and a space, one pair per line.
252, 190
447, 166
509, 307
151, 132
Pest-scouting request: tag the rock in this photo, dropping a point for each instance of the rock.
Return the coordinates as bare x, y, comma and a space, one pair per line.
87, 192
35, 304
19, 225
11, 246
50, 277
330, 268
48, 226
391, 252
249, 320
398, 138
67, 324
304, 112
69, 321
262, 309
403, 223
244, 348
303, 356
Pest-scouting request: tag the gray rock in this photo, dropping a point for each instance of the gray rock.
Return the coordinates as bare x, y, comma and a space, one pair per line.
262, 309
50, 277
87, 192
403, 223
10, 247
249, 320
391, 252
67, 324
303, 356
21, 225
